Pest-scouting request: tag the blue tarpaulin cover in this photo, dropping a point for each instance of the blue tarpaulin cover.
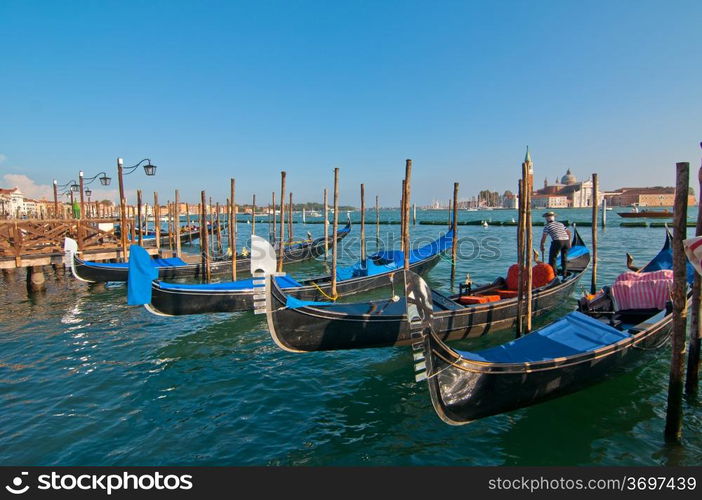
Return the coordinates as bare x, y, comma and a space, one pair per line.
577, 251
141, 273
171, 262
293, 303
245, 284
573, 334
390, 260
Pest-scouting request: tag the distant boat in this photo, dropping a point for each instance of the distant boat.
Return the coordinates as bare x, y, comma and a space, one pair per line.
651, 214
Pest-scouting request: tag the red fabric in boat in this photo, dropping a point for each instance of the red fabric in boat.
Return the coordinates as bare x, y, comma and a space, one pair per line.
477, 299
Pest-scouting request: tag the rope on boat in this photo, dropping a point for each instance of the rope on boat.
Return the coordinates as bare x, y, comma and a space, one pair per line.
333, 299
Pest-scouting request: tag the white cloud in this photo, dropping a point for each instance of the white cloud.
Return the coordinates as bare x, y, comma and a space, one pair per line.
2, 157
28, 187
35, 191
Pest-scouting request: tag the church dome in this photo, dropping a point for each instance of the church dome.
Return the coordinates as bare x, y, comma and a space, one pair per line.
568, 178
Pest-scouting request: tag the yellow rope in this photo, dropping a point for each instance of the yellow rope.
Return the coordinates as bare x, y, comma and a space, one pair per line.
333, 299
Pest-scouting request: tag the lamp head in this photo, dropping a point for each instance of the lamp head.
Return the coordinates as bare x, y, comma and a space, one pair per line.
150, 169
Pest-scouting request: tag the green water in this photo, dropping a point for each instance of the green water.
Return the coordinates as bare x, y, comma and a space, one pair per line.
87, 380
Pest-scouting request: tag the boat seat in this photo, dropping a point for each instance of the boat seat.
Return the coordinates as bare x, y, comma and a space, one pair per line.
477, 299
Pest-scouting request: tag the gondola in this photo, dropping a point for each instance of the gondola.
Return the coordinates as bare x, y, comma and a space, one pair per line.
149, 238
605, 336
304, 327
178, 299
177, 268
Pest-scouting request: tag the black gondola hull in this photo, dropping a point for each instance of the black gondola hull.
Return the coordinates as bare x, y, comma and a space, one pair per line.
308, 329
88, 271
464, 391
182, 301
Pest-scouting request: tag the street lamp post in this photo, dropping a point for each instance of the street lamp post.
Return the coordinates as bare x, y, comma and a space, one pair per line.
55, 199
72, 188
88, 193
149, 170
104, 180
82, 205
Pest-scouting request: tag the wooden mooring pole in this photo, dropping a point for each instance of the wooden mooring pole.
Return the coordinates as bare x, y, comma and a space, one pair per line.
326, 225
187, 224
402, 216
233, 225
220, 248
595, 206
139, 225
408, 178
693, 355
122, 211
520, 257
253, 215
290, 219
281, 244
377, 223
274, 218
528, 244
673, 423
335, 226
157, 222
177, 223
454, 228
363, 224
205, 247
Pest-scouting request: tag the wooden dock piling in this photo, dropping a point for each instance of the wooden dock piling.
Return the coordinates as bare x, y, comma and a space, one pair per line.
363, 224
326, 225
693, 352
141, 229
454, 228
335, 226
274, 218
407, 192
290, 219
377, 223
528, 243
595, 206
205, 247
673, 424
177, 223
253, 215
233, 225
281, 244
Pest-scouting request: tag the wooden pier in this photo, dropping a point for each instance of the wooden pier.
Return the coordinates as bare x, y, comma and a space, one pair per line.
35, 242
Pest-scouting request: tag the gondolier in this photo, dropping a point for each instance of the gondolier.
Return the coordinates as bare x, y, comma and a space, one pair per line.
560, 242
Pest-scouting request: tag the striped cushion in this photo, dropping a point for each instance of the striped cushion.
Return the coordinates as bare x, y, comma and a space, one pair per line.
642, 290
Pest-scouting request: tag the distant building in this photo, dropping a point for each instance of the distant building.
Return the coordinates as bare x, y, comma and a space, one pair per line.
549, 201
510, 200
645, 197
12, 203
568, 192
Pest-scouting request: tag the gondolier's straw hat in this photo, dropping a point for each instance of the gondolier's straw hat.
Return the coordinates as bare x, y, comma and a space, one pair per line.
549, 214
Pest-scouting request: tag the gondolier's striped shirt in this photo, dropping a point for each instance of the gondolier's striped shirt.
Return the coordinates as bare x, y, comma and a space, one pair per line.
556, 231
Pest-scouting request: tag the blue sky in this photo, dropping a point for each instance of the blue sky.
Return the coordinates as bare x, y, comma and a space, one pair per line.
211, 90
